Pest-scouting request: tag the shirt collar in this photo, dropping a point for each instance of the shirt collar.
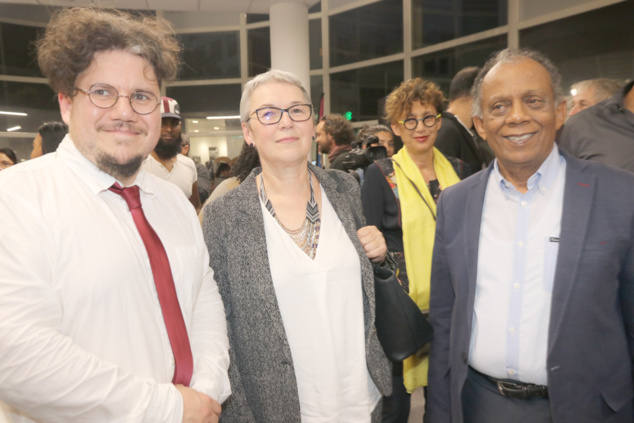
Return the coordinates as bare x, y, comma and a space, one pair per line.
95, 179
540, 181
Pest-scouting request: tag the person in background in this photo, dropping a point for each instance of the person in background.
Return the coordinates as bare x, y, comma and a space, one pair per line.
246, 161
108, 308
166, 161
456, 137
223, 171
603, 133
50, 135
399, 197
590, 92
532, 296
382, 132
7, 158
334, 136
295, 275
204, 178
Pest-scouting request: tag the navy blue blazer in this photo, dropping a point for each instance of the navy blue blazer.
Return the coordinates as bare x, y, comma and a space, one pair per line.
591, 332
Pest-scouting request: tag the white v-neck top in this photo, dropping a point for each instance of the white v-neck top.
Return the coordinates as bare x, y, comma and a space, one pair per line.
322, 309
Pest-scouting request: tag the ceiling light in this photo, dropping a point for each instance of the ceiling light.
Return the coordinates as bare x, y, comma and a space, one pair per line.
195, 130
13, 113
216, 128
223, 117
14, 128
194, 121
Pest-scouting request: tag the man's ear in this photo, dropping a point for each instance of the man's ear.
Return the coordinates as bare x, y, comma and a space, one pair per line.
65, 106
560, 114
479, 126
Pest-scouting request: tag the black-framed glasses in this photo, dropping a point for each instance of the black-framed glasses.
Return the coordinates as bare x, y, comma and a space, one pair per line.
272, 115
411, 123
105, 96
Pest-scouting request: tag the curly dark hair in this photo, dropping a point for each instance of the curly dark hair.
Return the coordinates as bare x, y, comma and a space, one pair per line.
247, 160
400, 101
74, 35
339, 128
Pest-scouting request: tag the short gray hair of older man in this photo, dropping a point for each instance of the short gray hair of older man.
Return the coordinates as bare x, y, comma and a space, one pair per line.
274, 75
513, 55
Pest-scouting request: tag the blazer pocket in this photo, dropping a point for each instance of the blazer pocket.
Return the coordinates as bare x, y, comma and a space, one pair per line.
618, 396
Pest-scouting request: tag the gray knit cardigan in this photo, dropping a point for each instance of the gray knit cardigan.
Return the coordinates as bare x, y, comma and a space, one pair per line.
262, 376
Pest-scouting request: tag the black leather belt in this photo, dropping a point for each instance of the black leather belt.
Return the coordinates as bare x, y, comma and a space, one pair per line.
516, 390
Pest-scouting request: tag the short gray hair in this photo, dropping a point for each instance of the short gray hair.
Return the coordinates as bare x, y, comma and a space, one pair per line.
512, 55
604, 88
274, 75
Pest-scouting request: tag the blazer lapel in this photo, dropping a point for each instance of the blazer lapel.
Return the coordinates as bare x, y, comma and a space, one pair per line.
472, 223
579, 193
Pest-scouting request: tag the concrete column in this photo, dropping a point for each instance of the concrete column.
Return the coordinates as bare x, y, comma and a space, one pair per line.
289, 40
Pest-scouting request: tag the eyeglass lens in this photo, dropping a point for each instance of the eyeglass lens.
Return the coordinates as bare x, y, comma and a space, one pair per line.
105, 96
272, 115
428, 121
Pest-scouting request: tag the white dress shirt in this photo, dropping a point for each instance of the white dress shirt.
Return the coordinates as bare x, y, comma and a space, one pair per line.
519, 242
82, 336
183, 174
321, 303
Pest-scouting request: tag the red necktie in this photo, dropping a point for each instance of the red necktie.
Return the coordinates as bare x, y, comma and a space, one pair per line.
176, 330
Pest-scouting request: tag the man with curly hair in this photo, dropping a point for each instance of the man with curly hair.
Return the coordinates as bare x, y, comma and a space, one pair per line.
334, 137
108, 308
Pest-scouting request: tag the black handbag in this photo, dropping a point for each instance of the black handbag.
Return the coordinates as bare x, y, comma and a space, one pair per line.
402, 328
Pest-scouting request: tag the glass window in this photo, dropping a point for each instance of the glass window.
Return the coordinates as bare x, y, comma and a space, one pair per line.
596, 44
257, 17
316, 91
206, 100
441, 66
534, 8
359, 91
18, 55
38, 101
314, 41
259, 45
368, 32
212, 55
436, 21
315, 8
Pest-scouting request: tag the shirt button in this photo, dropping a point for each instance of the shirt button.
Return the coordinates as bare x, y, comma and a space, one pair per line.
524, 203
516, 286
511, 330
510, 372
520, 244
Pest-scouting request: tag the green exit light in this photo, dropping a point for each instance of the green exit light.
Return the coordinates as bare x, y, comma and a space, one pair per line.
348, 115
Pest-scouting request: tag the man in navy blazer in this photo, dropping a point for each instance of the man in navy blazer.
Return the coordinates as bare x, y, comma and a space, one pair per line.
532, 287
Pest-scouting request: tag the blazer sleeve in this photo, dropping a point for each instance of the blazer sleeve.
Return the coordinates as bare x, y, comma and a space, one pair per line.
442, 300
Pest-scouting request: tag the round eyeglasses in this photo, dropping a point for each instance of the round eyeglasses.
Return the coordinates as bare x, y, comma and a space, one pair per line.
411, 123
272, 115
105, 96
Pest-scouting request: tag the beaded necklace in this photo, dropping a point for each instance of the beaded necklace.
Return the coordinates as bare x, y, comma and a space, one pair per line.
307, 235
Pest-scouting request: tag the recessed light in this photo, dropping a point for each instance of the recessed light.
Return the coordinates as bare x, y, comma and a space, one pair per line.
194, 121
216, 128
223, 117
14, 128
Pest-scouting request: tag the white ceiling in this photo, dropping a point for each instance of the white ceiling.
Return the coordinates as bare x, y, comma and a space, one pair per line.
232, 6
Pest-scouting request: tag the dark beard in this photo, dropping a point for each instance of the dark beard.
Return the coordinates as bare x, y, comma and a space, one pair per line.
118, 170
166, 149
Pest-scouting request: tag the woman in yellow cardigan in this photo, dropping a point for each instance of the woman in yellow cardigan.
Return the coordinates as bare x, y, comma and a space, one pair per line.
399, 197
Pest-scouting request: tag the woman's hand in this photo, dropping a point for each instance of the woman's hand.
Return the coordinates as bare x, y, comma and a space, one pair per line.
373, 243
